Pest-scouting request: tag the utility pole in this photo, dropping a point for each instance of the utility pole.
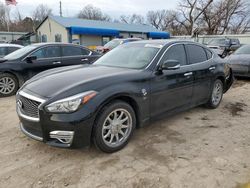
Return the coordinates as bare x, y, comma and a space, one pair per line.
61, 8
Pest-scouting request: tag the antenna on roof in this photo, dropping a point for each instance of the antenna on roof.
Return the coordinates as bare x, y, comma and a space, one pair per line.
61, 8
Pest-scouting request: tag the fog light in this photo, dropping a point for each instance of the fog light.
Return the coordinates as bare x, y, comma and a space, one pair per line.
65, 137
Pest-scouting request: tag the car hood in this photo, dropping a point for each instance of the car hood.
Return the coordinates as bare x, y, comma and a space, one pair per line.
238, 59
85, 77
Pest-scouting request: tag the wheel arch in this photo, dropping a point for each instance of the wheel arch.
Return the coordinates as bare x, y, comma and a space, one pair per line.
125, 98
18, 77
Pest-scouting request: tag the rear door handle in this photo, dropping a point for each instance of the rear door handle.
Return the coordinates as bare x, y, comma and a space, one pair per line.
188, 74
84, 59
57, 62
212, 68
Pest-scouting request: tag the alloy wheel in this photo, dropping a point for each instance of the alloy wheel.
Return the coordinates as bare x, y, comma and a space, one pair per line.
117, 128
7, 85
217, 93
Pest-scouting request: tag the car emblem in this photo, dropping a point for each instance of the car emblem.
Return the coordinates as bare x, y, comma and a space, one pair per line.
20, 104
144, 92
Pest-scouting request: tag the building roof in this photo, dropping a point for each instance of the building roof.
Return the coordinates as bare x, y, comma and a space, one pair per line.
76, 22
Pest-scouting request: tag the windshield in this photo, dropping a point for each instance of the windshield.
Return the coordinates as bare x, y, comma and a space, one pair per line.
113, 43
129, 56
243, 50
19, 53
218, 42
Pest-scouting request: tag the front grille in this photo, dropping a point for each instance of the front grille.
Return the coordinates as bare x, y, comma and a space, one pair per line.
29, 107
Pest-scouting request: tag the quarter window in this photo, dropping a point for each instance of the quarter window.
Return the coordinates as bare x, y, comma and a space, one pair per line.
48, 52
176, 52
209, 54
196, 54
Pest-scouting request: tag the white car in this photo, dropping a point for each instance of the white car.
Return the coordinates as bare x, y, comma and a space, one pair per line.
6, 49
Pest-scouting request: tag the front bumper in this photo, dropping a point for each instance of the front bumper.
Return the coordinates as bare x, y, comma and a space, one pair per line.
61, 130
59, 134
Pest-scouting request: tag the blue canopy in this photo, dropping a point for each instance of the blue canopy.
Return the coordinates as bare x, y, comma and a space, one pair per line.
159, 35
93, 31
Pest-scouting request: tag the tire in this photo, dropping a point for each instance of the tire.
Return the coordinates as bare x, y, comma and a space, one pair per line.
8, 85
216, 95
108, 126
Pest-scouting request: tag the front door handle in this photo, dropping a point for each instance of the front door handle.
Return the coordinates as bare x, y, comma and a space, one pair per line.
57, 62
85, 59
188, 74
212, 68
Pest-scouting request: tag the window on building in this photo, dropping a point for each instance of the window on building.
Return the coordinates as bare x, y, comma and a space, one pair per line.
44, 38
58, 38
105, 40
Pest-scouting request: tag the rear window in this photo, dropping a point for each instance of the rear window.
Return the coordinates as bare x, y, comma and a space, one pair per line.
196, 54
71, 51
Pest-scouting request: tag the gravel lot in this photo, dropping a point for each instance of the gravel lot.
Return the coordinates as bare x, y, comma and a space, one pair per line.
199, 148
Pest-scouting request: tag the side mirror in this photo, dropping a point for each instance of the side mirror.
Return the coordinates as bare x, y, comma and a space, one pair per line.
30, 59
170, 65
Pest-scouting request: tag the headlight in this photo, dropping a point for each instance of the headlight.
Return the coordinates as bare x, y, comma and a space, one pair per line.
70, 104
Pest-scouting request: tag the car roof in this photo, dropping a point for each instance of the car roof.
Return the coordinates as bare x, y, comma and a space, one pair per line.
10, 45
164, 42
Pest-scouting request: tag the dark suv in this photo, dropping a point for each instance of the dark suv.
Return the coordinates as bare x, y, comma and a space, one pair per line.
223, 46
23, 64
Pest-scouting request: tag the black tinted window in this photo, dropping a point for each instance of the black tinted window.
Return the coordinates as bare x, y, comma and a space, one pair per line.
2, 51
71, 51
209, 54
196, 53
85, 51
176, 52
12, 49
47, 52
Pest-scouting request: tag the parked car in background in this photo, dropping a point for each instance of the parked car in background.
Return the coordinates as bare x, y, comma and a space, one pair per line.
6, 49
114, 43
224, 46
124, 89
21, 65
240, 61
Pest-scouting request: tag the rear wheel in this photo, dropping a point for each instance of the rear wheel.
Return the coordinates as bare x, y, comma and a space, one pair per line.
8, 85
216, 95
114, 126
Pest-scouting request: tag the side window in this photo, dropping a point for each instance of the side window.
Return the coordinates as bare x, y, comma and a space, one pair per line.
176, 52
47, 52
2, 51
12, 49
209, 54
71, 51
85, 51
196, 54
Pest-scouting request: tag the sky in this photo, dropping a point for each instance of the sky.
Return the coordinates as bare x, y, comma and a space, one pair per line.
114, 8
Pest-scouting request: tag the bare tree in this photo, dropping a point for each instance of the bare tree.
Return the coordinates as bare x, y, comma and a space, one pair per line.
226, 16
93, 13
191, 11
4, 17
157, 18
132, 19
41, 12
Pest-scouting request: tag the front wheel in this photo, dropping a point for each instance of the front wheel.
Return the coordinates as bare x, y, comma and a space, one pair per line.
114, 126
216, 95
8, 85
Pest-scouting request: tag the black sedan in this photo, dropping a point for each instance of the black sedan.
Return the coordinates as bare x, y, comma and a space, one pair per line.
21, 65
240, 61
123, 90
